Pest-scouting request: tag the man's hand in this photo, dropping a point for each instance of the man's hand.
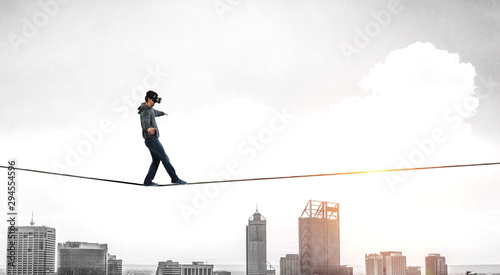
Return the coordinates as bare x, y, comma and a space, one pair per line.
165, 114
151, 131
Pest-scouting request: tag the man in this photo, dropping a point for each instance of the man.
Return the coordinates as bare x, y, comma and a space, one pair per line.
150, 133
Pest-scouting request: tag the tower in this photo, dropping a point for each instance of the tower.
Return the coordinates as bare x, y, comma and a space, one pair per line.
435, 264
373, 264
256, 245
394, 263
319, 239
34, 250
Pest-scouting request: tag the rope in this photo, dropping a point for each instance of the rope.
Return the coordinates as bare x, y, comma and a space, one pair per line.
259, 179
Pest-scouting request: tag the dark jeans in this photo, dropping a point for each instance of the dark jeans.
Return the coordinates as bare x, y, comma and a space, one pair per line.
158, 154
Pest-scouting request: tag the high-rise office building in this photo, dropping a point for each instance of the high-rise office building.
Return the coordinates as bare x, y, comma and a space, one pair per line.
81, 258
394, 263
319, 239
373, 264
387, 263
256, 246
34, 249
290, 264
114, 265
174, 268
435, 264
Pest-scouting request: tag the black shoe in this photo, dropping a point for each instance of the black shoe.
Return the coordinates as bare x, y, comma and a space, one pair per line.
152, 184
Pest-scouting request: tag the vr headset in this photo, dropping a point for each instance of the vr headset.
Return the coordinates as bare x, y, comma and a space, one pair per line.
156, 99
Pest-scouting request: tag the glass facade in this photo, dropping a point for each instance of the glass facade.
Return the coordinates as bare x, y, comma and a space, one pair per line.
77, 258
319, 239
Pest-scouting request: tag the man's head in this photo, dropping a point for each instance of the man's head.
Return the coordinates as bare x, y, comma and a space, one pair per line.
152, 98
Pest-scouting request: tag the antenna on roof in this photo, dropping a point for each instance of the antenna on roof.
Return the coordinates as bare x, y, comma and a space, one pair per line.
32, 223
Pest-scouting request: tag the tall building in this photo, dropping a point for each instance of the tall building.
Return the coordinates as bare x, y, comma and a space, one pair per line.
174, 268
394, 263
35, 250
319, 239
373, 264
435, 264
290, 264
80, 258
387, 263
256, 246
114, 265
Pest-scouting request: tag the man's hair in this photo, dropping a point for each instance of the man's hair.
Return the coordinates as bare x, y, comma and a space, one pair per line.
150, 94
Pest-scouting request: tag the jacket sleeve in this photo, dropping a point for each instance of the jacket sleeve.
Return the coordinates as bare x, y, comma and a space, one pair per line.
159, 113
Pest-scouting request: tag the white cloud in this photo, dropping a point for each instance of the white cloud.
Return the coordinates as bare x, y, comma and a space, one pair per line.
419, 82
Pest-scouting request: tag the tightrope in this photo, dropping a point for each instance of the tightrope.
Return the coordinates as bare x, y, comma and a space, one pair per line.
261, 179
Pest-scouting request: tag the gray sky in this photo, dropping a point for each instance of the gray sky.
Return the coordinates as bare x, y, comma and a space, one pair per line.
256, 89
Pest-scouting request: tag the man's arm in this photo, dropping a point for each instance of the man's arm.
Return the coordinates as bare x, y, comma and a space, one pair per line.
160, 113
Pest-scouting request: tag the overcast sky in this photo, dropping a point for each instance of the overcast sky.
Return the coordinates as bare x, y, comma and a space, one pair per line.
256, 89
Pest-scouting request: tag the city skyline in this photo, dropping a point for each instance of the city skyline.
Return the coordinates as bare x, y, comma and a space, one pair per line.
314, 214
256, 89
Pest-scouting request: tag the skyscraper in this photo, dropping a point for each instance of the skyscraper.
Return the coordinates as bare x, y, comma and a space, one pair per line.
394, 263
290, 264
319, 239
256, 246
373, 264
435, 264
80, 258
35, 250
387, 263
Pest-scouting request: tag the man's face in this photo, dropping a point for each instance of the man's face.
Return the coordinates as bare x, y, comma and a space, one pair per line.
151, 102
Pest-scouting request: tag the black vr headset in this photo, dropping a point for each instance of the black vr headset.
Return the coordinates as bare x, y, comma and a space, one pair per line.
155, 99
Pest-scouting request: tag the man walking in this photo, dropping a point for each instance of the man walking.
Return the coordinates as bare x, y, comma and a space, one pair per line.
151, 134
